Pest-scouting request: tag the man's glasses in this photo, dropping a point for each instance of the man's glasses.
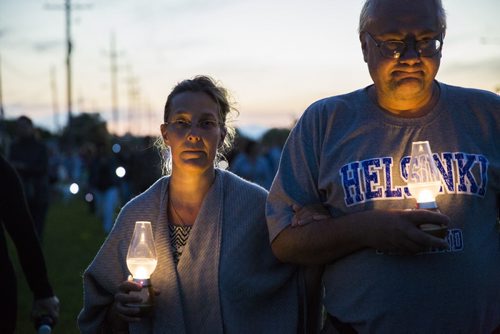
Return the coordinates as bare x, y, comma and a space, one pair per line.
396, 48
184, 125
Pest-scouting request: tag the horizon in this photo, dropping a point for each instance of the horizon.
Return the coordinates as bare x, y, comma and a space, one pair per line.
275, 58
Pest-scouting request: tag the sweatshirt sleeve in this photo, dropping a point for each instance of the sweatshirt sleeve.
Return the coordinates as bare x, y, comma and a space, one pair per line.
103, 276
19, 225
296, 181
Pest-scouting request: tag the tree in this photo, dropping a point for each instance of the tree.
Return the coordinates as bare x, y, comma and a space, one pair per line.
86, 128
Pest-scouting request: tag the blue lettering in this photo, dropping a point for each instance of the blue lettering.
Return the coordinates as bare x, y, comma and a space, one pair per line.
464, 171
447, 175
404, 175
350, 181
455, 240
373, 179
370, 177
484, 174
389, 192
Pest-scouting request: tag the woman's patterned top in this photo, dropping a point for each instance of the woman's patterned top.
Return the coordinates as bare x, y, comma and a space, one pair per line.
179, 235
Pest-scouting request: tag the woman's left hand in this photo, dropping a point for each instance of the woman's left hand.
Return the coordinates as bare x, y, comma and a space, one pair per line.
307, 214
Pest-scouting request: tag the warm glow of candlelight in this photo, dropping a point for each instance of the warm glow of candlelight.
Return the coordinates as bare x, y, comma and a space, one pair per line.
141, 268
425, 196
424, 181
425, 192
141, 256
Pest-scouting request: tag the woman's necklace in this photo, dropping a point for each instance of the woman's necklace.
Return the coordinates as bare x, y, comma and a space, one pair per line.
176, 213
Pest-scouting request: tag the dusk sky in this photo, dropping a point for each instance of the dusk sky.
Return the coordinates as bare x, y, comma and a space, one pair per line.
275, 56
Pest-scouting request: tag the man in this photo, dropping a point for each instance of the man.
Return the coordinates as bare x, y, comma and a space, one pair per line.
341, 198
16, 221
29, 156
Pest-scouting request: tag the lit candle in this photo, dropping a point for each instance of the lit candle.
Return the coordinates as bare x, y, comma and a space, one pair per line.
424, 183
141, 261
423, 176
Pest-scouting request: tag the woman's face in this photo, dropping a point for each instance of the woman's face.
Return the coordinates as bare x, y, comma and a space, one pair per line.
193, 131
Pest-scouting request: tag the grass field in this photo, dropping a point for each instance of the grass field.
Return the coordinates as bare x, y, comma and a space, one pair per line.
72, 237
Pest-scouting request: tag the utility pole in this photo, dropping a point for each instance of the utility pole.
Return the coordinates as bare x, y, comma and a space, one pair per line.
69, 47
150, 118
55, 104
133, 99
3, 137
2, 114
113, 57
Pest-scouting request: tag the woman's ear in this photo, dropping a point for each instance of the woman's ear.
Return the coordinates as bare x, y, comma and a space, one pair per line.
222, 137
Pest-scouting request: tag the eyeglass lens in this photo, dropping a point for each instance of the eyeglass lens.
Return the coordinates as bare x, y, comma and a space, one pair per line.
180, 124
395, 49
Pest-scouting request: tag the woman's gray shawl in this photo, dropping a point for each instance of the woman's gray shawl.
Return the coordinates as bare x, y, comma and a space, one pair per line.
227, 280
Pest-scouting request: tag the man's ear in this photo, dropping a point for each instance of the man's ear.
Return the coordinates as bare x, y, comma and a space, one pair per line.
164, 133
364, 46
442, 44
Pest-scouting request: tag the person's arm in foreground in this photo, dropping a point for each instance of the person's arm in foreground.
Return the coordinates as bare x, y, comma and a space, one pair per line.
328, 239
323, 241
19, 225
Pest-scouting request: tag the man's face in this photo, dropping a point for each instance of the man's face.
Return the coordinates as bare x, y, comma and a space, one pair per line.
411, 75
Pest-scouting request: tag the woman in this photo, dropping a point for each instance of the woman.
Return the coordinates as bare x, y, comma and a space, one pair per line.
224, 279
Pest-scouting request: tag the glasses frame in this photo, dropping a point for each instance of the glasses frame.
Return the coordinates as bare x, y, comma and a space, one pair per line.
405, 44
218, 124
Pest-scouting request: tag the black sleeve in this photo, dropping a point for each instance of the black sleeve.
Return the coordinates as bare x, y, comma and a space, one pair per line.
15, 216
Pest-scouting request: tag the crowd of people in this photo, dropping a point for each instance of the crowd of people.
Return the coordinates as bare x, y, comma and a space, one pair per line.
320, 235
48, 169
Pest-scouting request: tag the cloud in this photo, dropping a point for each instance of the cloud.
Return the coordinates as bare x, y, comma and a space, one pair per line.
484, 65
483, 73
3, 32
47, 45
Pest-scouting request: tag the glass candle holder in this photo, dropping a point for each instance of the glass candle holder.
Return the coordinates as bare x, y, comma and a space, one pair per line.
141, 262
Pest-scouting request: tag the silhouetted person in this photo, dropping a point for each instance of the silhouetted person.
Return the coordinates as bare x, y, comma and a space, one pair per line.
29, 156
252, 166
104, 184
145, 167
16, 220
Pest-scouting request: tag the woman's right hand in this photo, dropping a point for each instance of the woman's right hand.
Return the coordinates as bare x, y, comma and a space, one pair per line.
120, 313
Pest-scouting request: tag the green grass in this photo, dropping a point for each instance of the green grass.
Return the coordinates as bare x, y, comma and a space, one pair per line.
72, 237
